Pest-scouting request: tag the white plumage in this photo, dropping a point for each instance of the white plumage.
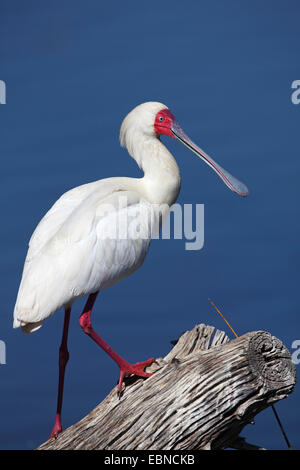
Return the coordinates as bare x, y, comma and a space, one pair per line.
69, 256
99, 233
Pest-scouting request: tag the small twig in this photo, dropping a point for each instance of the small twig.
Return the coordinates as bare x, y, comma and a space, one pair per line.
216, 308
273, 407
282, 429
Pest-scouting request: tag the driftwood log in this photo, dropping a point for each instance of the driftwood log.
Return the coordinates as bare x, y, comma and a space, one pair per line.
200, 396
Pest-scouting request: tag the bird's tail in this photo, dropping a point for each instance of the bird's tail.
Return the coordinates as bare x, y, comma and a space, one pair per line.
27, 327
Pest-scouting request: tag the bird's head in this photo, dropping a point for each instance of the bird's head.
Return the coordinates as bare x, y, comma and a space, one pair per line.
153, 119
141, 119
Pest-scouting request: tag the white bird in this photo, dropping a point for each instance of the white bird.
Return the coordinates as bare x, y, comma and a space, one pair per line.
89, 240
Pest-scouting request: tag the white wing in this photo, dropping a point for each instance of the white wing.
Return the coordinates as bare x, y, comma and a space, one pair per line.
74, 250
65, 206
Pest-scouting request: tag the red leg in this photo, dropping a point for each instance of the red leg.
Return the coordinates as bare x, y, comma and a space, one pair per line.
125, 367
63, 359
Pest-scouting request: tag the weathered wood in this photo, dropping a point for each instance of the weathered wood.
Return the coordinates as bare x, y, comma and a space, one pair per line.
200, 396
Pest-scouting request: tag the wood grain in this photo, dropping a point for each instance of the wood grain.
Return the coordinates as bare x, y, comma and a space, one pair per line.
200, 396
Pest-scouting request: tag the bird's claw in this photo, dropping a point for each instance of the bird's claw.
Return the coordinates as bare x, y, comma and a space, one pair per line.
57, 429
133, 369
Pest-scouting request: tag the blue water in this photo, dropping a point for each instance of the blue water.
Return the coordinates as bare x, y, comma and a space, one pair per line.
73, 70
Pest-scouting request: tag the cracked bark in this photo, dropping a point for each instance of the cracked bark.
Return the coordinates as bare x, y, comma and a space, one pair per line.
200, 396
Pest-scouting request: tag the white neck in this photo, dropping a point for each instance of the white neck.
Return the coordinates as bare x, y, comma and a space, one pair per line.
161, 181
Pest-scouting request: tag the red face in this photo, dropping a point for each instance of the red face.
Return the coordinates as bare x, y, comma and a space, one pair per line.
163, 123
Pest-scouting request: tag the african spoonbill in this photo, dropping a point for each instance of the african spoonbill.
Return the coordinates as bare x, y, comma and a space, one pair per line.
69, 256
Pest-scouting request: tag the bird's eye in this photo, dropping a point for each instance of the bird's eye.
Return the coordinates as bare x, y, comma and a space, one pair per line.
161, 118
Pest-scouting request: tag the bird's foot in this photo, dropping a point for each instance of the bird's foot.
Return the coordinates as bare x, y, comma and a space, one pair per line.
138, 369
57, 429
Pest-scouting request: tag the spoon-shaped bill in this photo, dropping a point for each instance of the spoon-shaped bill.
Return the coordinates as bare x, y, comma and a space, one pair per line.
232, 183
